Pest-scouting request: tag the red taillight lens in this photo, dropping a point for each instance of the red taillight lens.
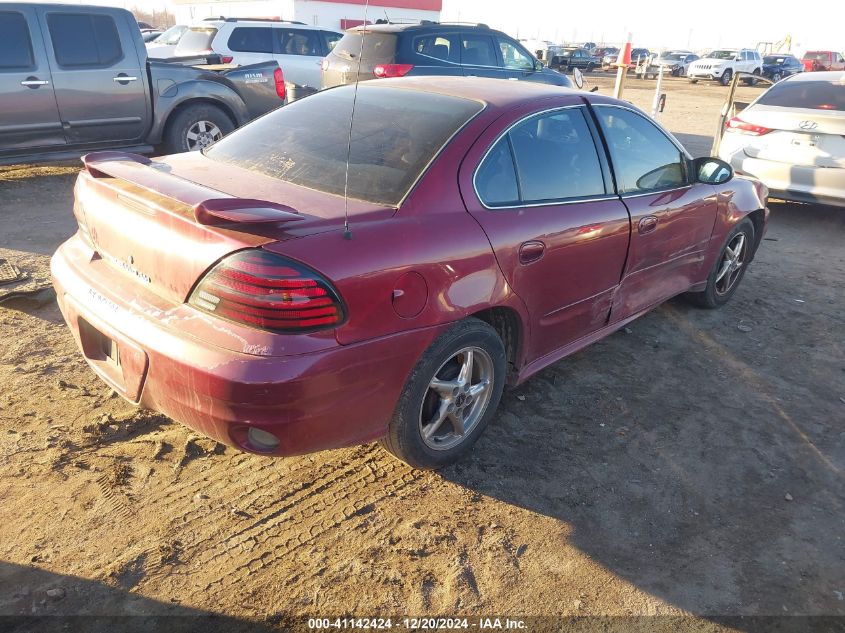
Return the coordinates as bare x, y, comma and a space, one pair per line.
738, 125
324, 65
226, 59
385, 71
279, 79
269, 292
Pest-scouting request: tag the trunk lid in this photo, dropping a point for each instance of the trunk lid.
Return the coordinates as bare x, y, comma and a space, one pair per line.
142, 215
799, 136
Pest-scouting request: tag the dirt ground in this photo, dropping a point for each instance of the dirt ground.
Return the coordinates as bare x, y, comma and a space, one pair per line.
685, 467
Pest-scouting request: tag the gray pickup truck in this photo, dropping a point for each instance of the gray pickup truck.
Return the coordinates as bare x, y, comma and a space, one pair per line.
77, 78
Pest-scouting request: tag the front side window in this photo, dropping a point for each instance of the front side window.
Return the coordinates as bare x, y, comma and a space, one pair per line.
514, 57
246, 39
15, 45
553, 158
299, 42
644, 158
477, 50
83, 40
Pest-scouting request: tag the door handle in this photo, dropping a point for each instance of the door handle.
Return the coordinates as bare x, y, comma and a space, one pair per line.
647, 224
34, 82
124, 78
531, 251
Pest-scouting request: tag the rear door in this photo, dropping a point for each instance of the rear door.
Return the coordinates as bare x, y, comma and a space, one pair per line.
300, 54
479, 57
101, 87
672, 217
30, 117
542, 194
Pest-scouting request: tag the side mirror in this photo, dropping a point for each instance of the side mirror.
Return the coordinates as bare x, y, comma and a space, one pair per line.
578, 78
712, 171
538, 65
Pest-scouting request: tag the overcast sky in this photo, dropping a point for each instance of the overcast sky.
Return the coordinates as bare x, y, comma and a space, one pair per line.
654, 23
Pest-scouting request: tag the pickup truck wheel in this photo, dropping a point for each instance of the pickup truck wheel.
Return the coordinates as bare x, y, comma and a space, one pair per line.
450, 396
195, 128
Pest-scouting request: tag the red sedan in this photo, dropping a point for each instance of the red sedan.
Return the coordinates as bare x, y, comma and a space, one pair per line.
493, 229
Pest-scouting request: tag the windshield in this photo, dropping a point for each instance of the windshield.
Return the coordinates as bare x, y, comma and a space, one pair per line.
196, 40
817, 55
395, 135
723, 54
674, 56
773, 59
814, 95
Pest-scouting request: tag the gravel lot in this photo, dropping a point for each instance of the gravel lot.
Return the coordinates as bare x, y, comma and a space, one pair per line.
684, 467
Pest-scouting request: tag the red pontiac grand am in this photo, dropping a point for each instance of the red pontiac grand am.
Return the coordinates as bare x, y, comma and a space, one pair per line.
494, 228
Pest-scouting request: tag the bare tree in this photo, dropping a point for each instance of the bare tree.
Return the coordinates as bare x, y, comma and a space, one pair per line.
159, 19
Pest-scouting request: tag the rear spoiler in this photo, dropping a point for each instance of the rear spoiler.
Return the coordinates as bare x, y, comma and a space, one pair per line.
217, 211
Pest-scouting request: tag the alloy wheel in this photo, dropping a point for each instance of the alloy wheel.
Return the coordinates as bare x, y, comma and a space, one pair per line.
733, 259
202, 134
456, 398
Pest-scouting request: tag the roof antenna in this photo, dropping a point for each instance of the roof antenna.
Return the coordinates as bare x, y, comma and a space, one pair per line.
347, 233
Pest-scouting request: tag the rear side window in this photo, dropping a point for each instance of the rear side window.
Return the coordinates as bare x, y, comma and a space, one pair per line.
396, 133
813, 95
555, 159
197, 40
293, 42
84, 40
15, 45
644, 158
377, 47
478, 50
245, 39
445, 47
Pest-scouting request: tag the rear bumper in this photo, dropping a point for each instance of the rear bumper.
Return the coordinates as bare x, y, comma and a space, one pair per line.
334, 397
821, 185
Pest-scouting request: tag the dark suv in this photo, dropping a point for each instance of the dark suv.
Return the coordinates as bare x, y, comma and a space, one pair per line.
432, 48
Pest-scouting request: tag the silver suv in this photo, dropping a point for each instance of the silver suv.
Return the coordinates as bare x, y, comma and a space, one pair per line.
298, 48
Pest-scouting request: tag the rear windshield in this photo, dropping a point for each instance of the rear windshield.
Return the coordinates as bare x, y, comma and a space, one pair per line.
818, 55
378, 47
196, 40
815, 95
396, 134
723, 54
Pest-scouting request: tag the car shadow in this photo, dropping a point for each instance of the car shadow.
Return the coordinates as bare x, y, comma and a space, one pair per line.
675, 462
696, 144
33, 599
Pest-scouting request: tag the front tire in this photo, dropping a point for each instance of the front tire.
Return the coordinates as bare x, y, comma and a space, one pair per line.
449, 398
196, 127
726, 78
729, 269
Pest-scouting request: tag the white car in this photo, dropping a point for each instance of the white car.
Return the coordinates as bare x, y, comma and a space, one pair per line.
792, 138
721, 65
298, 48
164, 46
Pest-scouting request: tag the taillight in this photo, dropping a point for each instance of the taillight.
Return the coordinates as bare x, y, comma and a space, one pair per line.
270, 292
324, 65
385, 71
226, 59
738, 125
279, 79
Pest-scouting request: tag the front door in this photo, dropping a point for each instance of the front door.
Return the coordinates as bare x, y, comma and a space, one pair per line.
29, 117
672, 217
100, 84
544, 198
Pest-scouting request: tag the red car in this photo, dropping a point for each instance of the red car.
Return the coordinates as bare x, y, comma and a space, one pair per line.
493, 229
823, 60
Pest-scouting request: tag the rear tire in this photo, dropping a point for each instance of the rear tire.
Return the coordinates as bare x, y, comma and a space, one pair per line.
435, 423
724, 279
196, 127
